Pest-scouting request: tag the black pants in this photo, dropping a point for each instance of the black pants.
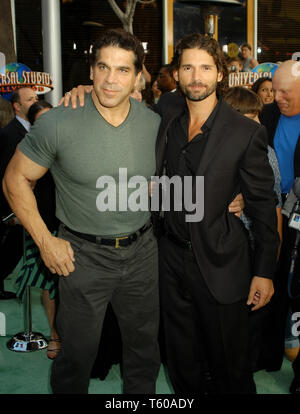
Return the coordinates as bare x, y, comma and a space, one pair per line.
11, 249
273, 333
201, 335
128, 278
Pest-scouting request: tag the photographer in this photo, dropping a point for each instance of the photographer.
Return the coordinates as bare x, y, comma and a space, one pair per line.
282, 120
234, 65
291, 210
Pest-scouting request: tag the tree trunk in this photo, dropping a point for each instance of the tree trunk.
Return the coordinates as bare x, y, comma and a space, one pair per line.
127, 17
128, 26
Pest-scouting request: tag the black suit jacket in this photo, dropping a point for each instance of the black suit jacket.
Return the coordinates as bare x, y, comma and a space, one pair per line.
10, 136
235, 159
269, 118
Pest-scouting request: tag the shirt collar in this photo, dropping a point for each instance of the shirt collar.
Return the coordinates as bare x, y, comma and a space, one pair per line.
207, 124
26, 124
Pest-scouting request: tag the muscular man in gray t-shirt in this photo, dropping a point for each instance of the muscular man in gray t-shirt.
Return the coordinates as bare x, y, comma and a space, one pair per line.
102, 256
80, 148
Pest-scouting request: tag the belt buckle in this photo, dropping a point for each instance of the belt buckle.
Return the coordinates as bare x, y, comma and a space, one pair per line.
117, 245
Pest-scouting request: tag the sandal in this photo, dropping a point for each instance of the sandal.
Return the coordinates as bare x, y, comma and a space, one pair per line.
52, 352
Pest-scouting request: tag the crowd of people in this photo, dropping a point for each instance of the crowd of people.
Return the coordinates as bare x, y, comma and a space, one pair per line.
206, 297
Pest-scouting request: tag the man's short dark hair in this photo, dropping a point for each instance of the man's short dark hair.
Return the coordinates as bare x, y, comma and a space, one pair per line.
122, 39
15, 97
168, 68
212, 47
234, 59
36, 108
247, 46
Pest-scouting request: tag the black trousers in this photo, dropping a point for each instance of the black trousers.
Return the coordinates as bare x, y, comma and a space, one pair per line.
127, 277
273, 333
11, 249
202, 336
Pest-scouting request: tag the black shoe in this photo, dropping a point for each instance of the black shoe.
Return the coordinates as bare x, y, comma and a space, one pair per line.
7, 295
295, 386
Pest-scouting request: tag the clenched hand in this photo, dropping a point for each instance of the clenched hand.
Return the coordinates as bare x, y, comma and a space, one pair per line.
58, 256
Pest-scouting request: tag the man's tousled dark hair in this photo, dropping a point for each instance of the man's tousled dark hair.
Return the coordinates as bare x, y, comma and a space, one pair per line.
212, 47
122, 39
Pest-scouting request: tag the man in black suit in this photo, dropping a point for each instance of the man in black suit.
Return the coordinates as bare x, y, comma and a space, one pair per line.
208, 280
11, 236
282, 120
165, 79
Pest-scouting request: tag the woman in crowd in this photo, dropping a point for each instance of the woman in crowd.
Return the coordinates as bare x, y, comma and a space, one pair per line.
263, 88
33, 271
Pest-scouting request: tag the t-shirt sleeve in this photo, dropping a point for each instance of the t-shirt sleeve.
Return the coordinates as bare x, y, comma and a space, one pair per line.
40, 144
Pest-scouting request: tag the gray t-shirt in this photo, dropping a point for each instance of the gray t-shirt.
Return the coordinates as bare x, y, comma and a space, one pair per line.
85, 154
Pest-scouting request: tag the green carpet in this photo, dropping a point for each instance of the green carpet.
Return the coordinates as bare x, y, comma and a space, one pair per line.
28, 373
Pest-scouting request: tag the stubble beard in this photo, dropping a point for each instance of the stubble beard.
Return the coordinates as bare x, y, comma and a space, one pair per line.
198, 97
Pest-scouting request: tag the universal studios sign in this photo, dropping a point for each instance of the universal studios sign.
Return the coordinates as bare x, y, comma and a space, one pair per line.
18, 75
246, 79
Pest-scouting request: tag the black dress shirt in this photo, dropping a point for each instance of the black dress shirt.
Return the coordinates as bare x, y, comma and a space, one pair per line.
182, 159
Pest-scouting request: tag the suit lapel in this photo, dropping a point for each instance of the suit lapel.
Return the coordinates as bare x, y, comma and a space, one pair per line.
161, 142
161, 145
20, 127
217, 135
221, 127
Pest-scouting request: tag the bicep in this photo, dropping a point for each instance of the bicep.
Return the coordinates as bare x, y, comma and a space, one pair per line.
22, 166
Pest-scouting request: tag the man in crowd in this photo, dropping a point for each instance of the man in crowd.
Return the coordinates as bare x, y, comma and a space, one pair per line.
165, 79
282, 120
102, 254
249, 62
208, 282
10, 136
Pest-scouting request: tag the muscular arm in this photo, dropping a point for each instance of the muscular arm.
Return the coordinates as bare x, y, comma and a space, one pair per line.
21, 172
